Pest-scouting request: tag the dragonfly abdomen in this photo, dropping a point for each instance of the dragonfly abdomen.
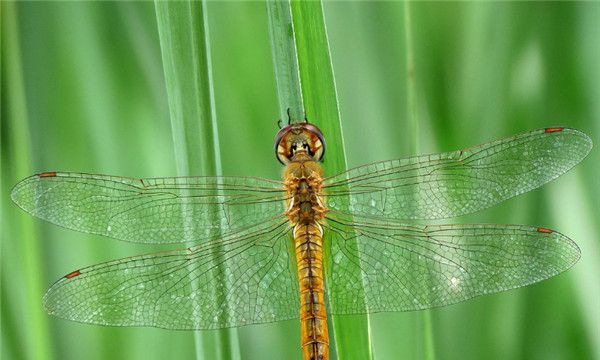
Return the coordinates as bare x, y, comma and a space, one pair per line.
306, 209
308, 240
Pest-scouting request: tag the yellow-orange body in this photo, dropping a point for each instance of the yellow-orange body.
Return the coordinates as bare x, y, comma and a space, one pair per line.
306, 210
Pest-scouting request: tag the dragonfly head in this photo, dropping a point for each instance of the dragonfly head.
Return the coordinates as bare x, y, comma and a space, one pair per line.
295, 139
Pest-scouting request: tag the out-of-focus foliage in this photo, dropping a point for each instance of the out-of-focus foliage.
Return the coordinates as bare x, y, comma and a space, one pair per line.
83, 90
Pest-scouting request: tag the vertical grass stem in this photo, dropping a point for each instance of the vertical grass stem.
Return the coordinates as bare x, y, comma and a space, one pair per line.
183, 32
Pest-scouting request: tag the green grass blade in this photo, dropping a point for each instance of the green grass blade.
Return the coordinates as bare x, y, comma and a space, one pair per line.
297, 34
285, 59
19, 233
350, 335
318, 85
427, 343
183, 32
410, 79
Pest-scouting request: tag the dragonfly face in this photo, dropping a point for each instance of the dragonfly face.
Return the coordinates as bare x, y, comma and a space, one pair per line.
378, 259
299, 138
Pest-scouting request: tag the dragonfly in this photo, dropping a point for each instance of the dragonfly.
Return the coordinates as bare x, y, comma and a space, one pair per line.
269, 250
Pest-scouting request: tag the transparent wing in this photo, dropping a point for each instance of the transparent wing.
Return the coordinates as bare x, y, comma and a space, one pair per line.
456, 183
240, 280
158, 210
392, 267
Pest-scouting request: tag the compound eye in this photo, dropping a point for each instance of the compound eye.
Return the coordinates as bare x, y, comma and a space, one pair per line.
316, 145
289, 139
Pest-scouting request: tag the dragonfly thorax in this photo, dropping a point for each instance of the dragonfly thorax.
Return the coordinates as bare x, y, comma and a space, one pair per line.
303, 182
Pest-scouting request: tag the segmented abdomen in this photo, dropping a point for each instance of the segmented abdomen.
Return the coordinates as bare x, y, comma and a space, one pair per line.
308, 240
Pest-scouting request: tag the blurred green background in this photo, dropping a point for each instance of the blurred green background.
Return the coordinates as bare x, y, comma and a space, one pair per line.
83, 90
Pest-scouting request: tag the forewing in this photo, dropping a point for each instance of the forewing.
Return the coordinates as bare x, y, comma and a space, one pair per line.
158, 210
242, 279
392, 267
460, 182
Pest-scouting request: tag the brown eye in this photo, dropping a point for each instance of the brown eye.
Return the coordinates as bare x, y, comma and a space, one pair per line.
294, 136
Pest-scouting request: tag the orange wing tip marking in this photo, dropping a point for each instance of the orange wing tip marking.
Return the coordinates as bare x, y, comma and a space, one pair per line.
553, 129
47, 174
73, 274
544, 230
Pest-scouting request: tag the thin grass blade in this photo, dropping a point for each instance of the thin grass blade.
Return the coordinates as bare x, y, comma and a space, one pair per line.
19, 233
351, 338
183, 32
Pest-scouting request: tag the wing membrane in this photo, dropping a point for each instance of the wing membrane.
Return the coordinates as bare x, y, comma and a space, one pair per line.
242, 279
393, 267
460, 182
158, 210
